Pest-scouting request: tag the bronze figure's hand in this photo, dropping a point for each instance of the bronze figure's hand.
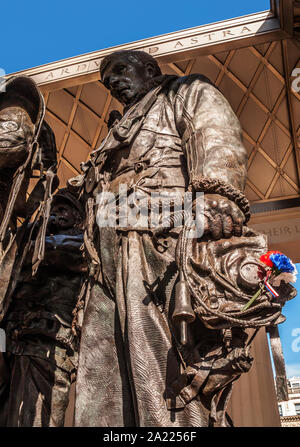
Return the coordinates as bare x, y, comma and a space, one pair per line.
222, 217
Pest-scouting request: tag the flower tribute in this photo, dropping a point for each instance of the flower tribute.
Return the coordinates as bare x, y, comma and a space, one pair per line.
278, 268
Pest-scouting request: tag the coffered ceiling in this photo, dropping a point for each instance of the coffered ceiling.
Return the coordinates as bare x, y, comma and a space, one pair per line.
254, 81
252, 61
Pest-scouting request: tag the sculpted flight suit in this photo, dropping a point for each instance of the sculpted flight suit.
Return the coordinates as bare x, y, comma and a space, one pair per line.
182, 129
41, 350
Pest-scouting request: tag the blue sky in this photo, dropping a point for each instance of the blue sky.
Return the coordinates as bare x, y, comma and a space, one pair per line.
36, 32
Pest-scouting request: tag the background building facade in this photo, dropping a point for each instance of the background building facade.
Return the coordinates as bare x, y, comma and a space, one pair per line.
290, 410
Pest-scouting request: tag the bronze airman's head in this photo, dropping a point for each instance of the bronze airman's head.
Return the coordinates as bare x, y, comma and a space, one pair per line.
21, 113
66, 214
125, 74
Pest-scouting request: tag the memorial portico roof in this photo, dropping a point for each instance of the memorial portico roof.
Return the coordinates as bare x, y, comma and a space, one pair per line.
253, 60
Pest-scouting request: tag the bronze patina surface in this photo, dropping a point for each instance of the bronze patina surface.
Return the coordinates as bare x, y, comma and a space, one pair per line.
21, 115
36, 304
137, 365
160, 312
41, 348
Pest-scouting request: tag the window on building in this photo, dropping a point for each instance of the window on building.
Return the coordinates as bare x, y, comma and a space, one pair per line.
280, 410
297, 408
296, 385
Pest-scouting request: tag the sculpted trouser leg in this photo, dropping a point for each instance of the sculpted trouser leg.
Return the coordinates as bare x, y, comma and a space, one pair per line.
4, 383
39, 393
107, 390
103, 395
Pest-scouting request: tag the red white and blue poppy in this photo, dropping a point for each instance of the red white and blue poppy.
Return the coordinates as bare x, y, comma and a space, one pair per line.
280, 269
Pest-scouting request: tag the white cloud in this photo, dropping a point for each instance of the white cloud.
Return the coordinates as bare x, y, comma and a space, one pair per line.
292, 369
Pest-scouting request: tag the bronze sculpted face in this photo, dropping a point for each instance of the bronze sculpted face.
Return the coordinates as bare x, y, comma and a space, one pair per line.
64, 217
16, 133
125, 77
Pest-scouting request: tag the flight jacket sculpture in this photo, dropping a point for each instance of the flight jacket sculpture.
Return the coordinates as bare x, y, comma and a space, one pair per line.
42, 350
21, 115
162, 313
41, 265
147, 356
22, 111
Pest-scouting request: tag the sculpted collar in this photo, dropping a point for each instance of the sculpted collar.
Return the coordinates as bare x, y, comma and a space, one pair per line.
122, 133
149, 85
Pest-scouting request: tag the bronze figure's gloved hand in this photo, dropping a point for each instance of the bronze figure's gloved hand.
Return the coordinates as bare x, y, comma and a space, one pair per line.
222, 217
224, 370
